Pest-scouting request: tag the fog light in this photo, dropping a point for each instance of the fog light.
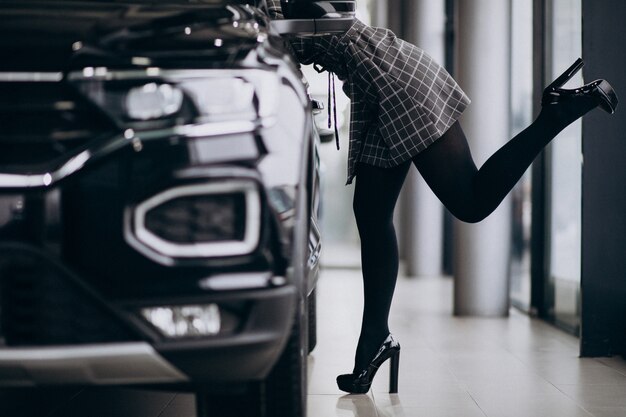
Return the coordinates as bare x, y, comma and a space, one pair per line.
185, 321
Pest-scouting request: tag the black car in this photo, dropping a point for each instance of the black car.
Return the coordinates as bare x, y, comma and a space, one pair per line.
159, 199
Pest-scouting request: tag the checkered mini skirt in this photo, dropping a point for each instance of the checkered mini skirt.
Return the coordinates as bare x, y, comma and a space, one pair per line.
401, 99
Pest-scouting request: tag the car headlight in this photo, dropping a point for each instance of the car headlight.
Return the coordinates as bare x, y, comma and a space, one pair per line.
223, 98
153, 101
203, 220
145, 99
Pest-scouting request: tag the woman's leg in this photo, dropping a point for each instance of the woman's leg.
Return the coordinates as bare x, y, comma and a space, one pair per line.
469, 193
375, 195
472, 194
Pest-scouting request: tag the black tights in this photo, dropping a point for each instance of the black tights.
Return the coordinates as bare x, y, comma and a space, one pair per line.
470, 195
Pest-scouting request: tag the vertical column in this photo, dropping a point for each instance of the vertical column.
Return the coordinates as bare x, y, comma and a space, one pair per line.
394, 15
424, 25
481, 251
603, 284
380, 13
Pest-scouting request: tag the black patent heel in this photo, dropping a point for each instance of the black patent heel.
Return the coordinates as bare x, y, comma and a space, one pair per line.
394, 368
600, 91
360, 382
608, 96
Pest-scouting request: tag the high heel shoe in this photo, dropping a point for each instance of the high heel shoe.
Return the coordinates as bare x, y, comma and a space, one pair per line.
600, 91
359, 383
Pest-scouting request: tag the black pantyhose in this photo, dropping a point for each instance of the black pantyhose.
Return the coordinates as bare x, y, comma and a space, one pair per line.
375, 195
470, 195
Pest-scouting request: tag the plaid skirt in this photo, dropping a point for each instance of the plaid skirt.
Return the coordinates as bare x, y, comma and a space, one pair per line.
401, 99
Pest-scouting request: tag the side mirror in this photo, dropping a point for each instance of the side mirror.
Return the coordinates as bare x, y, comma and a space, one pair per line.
317, 106
326, 135
314, 18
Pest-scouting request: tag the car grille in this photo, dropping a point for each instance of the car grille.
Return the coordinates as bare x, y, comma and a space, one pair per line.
200, 218
41, 121
39, 307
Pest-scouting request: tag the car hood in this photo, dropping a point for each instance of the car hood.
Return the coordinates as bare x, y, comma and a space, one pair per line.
60, 35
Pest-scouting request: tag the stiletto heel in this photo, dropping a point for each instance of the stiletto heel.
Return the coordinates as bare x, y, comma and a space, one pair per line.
567, 75
600, 91
360, 382
394, 367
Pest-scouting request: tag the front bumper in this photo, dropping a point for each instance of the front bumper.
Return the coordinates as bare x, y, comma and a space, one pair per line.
55, 329
247, 353
119, 363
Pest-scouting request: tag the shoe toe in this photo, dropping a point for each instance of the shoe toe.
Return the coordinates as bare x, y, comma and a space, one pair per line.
349, 383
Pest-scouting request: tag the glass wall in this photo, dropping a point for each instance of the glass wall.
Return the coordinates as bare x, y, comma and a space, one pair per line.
563, 182
521, 117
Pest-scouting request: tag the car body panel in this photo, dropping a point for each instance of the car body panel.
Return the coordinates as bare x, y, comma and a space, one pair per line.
77, 183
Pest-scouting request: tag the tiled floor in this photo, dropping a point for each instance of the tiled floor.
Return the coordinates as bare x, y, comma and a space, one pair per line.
449, 367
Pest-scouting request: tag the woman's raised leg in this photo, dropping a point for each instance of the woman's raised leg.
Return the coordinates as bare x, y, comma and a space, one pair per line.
471, 194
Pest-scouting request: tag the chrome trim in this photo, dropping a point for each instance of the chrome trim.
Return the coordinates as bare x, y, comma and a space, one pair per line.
31, 76
202, 250
216, 129
89, 156
235, 12
101, 364
236, 281
315, 244
74, 164
156, 72
207, 129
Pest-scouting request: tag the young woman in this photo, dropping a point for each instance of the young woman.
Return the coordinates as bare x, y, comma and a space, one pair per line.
404, 111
